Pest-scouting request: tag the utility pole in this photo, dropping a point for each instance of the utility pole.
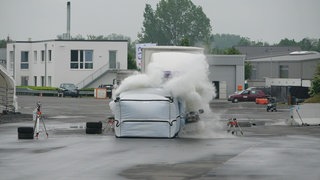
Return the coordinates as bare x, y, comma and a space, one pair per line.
14, 62
45, 64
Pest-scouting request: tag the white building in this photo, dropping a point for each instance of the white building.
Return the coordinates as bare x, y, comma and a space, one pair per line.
51, 62
287, 75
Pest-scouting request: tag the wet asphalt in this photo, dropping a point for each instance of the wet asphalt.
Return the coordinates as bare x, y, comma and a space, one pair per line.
268, 149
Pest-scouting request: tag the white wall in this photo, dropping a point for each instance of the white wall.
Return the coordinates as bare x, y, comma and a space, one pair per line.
228, 69
308, 112
59, 67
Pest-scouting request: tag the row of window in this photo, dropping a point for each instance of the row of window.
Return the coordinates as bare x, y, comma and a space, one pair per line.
25, 58
79, 59
83, 59
25, 81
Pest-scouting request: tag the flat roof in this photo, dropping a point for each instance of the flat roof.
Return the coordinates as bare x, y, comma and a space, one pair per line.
71, 40
291, 57
173, 47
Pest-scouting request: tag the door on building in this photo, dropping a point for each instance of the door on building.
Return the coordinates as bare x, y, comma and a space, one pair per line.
112, 59
217, 88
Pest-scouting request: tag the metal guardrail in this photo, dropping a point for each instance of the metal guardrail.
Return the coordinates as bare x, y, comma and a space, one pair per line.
30, 92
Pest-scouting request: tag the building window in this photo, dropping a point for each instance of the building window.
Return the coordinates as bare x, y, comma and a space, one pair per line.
74, 59
42, 55
11, 63
112, 59
42, 81
284, 71
253, 73
50, 55
35, 80
35, 56
81, 59
24, 80
49, 81
24, 60
88, 59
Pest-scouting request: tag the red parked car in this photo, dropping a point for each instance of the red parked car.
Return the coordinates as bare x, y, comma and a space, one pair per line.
247, 95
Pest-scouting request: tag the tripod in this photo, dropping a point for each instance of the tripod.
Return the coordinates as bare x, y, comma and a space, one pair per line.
37, 121
233, 125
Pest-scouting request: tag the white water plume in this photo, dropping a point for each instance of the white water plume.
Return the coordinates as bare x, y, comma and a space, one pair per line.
185, 75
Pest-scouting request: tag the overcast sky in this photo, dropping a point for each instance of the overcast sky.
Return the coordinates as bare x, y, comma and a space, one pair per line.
259, 20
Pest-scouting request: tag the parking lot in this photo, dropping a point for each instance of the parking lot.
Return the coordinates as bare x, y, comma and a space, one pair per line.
268, 149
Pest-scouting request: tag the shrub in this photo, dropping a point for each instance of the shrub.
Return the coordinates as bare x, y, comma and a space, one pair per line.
315, 83
313, 99
39, 88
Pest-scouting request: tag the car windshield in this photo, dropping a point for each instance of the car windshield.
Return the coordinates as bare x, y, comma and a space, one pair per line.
238, 92
69, 86
245, 92
108, 86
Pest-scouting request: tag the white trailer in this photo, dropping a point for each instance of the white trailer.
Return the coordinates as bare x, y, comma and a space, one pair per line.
148, 51
148, 112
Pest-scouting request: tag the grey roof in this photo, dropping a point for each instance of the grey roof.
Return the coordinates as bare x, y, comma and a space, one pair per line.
225, 59
71, 40
254, 52
311, 55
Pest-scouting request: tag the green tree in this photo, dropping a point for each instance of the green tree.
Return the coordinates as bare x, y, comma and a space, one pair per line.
222, 41
173, 22
150, 31
305, 44
247, 70
231, 51
216, 51
315, 83
185, 42
244, 42
78, 37
94, 37
131, 62
308, 44
287, 42
3, 43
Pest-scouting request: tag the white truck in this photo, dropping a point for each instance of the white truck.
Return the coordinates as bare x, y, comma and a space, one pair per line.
150, 112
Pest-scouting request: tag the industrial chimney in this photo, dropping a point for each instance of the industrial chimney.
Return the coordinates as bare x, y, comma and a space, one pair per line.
68, 20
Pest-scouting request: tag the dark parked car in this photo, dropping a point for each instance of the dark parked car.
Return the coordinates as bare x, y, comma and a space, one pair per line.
109, 87
247, 95
68, 89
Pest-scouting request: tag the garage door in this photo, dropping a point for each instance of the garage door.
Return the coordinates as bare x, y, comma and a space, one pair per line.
227, 74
